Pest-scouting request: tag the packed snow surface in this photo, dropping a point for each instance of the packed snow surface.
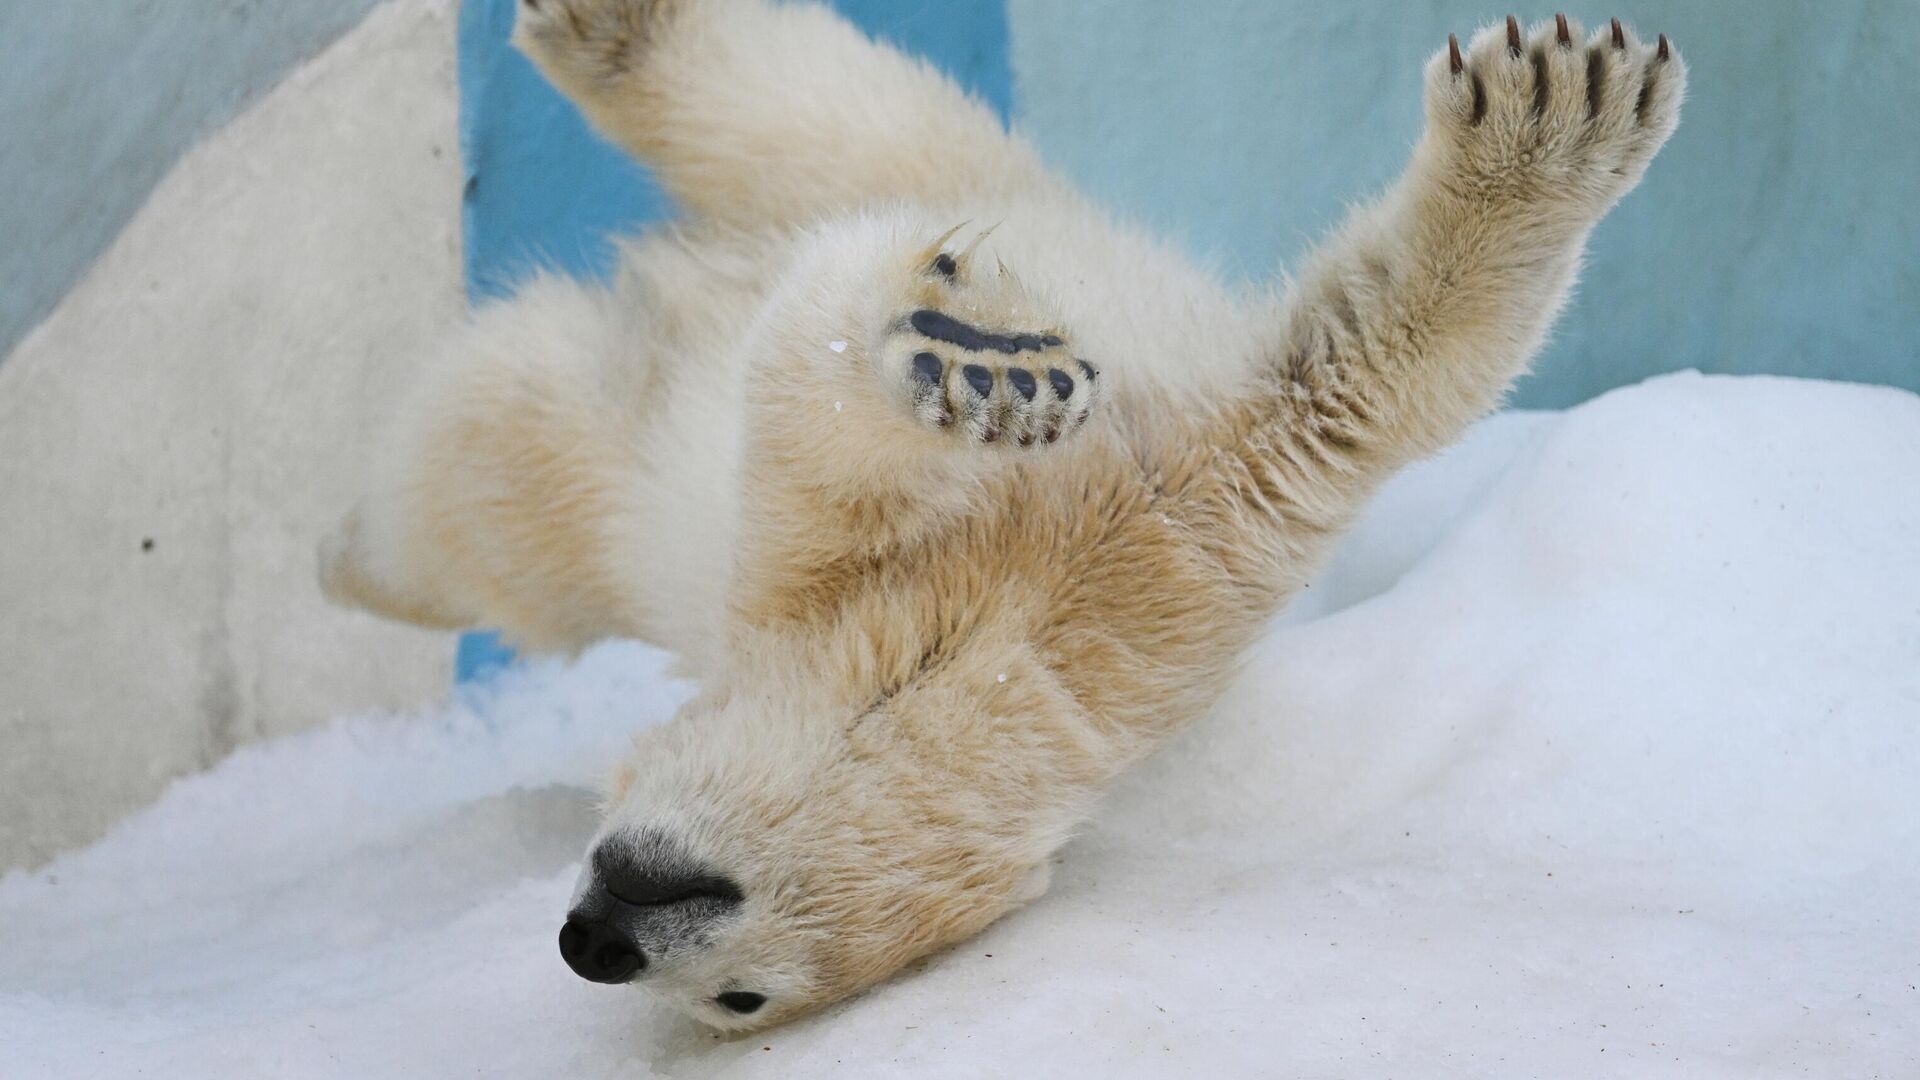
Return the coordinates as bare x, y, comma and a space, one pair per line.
1595, 752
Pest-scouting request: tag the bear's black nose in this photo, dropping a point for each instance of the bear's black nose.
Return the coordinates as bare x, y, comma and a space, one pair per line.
641, 896
599, 953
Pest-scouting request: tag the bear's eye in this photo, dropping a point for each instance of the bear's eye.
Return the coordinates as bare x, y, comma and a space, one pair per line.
741, 1001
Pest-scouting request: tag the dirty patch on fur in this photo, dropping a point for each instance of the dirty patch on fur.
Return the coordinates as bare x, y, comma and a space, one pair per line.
1592, 752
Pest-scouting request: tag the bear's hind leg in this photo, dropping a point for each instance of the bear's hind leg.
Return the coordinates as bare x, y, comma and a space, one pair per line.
533, 484
757, 113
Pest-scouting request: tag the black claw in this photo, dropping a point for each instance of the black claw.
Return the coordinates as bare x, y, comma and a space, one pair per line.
1664, 53
980, 379
1619, 35
927, 368
1513, 35
1062, 383
1023, 381
1092, 372
946, 266
1561, 31
1454, 63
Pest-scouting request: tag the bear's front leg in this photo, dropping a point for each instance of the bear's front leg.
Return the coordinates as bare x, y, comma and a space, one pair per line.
1412, 321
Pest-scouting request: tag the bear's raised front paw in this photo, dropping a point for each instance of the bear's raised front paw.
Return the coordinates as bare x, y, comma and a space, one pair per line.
1538, 114
978, 360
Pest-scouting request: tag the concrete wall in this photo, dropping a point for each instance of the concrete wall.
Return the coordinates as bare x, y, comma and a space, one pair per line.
1779, 232
97, 101
179, 433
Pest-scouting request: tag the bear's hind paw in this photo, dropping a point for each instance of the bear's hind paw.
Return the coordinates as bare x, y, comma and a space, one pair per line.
990, 377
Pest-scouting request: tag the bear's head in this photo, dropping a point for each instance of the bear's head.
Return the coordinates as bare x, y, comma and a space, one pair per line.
772, 850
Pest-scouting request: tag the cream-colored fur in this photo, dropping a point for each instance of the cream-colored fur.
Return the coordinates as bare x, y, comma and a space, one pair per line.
925, 652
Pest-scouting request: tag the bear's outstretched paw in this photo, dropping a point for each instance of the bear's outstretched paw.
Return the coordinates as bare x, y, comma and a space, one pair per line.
978, 360
1544, 113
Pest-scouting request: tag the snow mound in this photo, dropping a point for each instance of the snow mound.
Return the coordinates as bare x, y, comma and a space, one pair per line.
1596, 751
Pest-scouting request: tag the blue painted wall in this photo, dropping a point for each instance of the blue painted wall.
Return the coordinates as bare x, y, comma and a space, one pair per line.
98, 99
1779, 231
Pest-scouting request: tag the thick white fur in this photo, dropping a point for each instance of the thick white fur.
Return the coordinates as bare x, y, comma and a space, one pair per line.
926, 653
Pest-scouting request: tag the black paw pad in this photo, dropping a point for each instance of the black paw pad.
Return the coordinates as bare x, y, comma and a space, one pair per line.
1062, 383
979, 378
1023, 381
940, 326
943, 327
926, 368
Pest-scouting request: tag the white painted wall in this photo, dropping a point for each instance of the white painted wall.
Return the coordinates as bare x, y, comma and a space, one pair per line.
99, 99
210, 387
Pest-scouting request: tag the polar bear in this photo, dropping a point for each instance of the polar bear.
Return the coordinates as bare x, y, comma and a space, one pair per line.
957, 497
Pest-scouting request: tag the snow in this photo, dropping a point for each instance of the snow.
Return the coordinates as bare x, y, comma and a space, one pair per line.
1595, 752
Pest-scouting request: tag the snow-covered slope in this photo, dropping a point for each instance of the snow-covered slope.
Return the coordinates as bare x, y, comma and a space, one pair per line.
1596, 752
